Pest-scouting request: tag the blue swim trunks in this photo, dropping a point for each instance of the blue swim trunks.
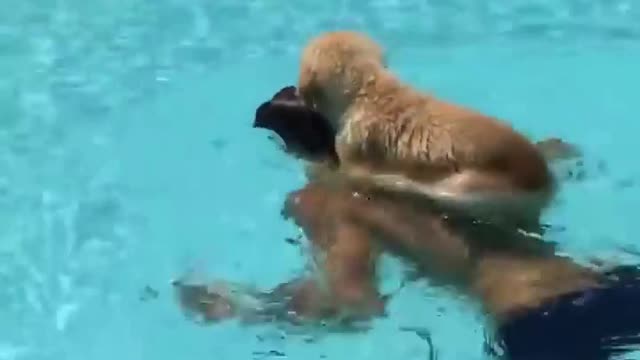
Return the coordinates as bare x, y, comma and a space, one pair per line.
594, 324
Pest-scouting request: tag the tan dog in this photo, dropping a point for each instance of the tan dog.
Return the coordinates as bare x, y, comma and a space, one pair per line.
394, 136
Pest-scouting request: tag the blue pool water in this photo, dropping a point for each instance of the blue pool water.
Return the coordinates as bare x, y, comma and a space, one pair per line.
127, 158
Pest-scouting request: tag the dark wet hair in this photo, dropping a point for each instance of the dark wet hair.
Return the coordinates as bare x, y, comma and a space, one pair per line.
305, 132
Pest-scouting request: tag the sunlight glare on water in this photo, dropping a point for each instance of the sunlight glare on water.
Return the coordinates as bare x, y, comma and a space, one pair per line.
127, 158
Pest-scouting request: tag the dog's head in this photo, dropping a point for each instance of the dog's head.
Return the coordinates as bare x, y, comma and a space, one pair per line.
334, 67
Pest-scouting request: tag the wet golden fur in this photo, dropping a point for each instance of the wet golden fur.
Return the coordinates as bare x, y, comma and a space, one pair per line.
393, 135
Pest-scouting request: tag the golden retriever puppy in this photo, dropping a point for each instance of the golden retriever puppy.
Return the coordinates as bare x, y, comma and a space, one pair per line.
392, 135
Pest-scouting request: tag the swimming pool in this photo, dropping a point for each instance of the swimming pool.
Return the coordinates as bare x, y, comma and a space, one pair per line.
127, 158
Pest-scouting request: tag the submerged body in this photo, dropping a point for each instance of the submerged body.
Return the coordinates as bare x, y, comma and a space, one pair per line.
543, 306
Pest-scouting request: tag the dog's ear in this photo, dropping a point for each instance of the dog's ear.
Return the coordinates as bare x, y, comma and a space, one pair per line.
308, 87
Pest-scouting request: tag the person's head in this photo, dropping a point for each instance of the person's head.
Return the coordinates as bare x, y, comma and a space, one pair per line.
306, 133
